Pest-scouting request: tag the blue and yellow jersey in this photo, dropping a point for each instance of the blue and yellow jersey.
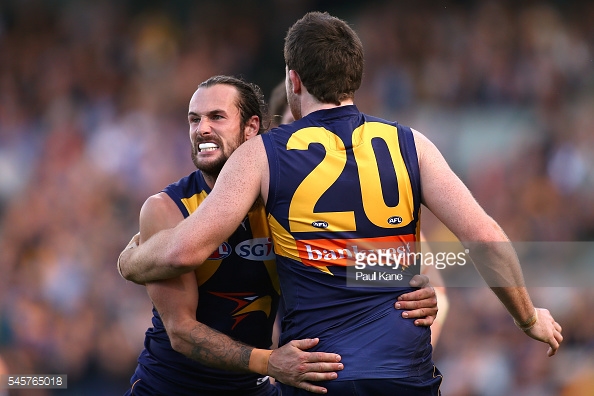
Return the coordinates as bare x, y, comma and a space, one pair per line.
238, 296
342, 182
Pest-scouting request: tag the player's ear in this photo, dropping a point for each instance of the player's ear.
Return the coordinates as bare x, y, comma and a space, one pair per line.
295, 82
252, 127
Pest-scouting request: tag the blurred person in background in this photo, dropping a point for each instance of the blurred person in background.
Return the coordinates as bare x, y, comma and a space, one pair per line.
234, 295
278, 106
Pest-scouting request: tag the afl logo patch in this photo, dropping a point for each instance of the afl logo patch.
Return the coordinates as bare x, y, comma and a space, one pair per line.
222, 252
395, 220
320, 224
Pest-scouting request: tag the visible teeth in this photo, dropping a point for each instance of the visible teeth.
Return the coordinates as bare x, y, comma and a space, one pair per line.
207, 146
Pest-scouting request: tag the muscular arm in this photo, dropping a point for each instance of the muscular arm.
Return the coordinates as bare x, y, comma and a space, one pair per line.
176, 300
490, 249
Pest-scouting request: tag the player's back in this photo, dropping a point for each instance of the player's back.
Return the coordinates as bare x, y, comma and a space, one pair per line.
340, 183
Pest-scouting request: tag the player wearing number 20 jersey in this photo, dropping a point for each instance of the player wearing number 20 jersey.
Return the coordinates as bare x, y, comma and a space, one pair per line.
323, 206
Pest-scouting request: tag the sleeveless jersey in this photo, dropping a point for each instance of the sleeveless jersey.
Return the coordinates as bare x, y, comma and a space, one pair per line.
238, 296
340, 181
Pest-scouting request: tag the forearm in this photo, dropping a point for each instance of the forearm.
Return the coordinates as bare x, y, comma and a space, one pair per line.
517, 302
215, 349
137, 270
148, 263
498, 264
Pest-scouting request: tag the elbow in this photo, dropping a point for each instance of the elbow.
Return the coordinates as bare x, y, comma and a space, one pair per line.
177, 344
484, 233
176, 338
492, 233
125, 273
135, 279
124, 268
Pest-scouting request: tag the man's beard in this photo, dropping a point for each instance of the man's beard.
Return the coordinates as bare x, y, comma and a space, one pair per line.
211, 168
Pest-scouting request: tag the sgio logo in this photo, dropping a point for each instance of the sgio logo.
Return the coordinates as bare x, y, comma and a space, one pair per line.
256, 249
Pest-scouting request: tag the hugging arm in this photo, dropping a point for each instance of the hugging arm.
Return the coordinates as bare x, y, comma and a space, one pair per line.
489, 248
172, 252
176, 300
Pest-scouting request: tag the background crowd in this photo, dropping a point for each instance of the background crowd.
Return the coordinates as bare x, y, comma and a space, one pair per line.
93, 103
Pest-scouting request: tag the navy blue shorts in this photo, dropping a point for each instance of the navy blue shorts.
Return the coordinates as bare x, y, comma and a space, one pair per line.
424, 385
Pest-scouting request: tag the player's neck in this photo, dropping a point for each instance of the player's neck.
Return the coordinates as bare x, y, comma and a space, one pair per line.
209, 179
309, 104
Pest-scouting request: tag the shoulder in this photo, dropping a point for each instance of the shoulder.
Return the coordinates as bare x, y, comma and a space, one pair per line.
424, 146
157, 205
158, 212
